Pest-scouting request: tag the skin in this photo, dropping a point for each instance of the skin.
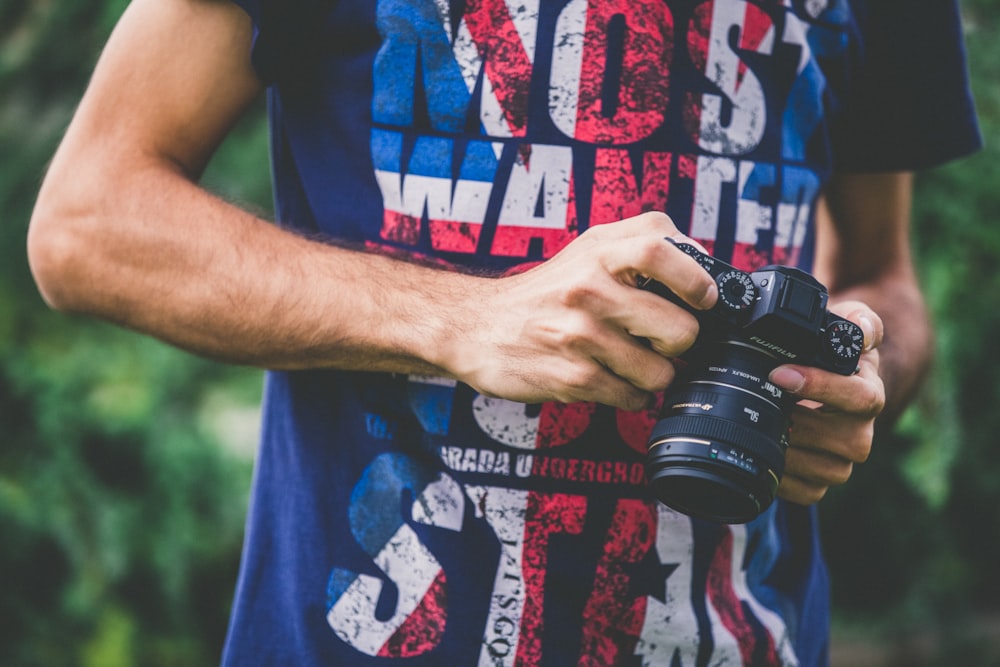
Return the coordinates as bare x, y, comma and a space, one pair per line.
122, 231
863, 257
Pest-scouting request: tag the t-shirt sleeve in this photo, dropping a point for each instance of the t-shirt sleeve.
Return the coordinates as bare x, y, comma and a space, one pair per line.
911, 107
285, 33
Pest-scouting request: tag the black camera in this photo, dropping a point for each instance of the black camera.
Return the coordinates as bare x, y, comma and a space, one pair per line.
718, 449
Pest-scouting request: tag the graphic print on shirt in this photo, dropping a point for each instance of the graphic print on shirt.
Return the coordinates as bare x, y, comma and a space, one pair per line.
494, 138
645, 603
578, 129
619, 626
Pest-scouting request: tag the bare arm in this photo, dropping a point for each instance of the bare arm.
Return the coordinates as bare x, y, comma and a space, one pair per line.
122, 231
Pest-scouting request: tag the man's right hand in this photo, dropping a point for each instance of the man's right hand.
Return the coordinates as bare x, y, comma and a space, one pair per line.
576, 327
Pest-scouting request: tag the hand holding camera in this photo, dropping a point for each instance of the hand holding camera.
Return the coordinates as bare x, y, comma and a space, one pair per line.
718, 449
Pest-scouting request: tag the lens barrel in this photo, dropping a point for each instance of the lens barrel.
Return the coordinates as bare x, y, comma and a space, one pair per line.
718, 449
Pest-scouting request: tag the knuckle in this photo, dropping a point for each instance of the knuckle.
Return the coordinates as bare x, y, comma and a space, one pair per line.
682, 336
634, 400
657, 377
697, 285
816, 494
584, 294
802, 491
597, 232
687, 332
841, 474
579, 379
658, 217
862, 448
879, 403
657, 221
650, 252
574, 333
873, 399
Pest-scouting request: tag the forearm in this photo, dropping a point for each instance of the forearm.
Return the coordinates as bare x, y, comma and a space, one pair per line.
908, 344
145, 247
122, 231
159, 255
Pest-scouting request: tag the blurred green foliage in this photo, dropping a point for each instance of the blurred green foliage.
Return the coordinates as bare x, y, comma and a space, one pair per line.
125, 464
914, 539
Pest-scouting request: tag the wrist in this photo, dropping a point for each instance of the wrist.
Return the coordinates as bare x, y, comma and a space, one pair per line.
453, 335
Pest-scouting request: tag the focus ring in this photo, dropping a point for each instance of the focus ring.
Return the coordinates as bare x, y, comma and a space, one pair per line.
719, 430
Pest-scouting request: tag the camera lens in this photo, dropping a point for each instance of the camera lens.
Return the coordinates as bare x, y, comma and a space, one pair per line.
718, 450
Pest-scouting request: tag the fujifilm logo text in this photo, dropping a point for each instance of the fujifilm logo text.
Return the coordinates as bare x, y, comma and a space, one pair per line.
774, 348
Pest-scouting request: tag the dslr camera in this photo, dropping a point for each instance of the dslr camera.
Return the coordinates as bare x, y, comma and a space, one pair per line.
717, 450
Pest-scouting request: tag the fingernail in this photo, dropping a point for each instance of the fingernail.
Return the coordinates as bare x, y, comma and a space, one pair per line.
788, 379
869, 330
711, 296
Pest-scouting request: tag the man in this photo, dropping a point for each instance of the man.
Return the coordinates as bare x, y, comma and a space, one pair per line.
463, 372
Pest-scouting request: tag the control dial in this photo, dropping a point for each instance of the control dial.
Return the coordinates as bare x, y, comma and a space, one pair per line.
844, 340
736, 291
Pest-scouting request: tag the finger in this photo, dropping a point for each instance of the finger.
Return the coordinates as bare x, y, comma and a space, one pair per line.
866, 318
861, 394
629, 359
817, 468
598, 360
594, 336
667, 264
609, 389
573, 380
639, 248
669, 329
670, 335
835, 433
653, 224
604, 386
800, 491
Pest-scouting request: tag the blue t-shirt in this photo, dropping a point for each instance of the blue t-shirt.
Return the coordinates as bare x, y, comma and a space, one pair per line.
411, 520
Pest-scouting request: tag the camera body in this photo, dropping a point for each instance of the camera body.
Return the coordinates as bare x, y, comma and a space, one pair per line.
717, 451
779, 309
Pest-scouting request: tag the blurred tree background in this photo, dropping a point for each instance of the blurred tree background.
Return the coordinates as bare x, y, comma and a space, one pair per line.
914, 539
125, 465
